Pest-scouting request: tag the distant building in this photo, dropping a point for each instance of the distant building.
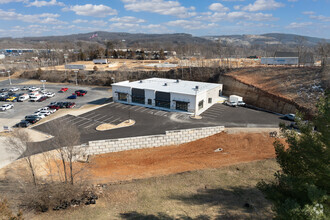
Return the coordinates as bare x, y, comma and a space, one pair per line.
281, 58
168, 94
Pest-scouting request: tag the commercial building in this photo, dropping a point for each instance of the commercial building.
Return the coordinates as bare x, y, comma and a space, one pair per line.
169, 94
281, 58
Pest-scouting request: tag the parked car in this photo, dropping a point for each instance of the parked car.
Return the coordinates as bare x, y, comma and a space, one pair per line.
47, 109
43, 98
6, 107
11, 99
63, 89
290, 117
23, 124
54, 106
232, 104
80, 92
69, 104
33, 93
33, 89
4, 90
32, 119
25, 88
39, 115
35, 98
23, 98
50, 94
51, 111
73, 96
241, 103
44, 112
14, 89
4, 97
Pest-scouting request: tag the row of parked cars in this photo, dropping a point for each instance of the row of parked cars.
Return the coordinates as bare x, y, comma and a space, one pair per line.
35, 94
44, 112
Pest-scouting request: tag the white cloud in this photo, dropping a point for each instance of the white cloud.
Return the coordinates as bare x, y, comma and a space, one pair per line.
162, 7
10, 1
308, 12
237, 15
320, 17
294, 25
190, 24
261, 5
127, 19
92, 10
36, 18
77, 21
218, 7
38, 4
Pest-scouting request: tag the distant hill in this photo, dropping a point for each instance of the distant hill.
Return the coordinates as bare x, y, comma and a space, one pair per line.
128, 38
267, 39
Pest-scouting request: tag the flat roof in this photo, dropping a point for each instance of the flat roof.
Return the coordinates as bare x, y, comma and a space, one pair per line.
158, 84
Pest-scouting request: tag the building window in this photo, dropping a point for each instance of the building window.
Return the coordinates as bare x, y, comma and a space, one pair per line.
122, 96
149, 102
137, 99
210, 100
182, 106
163, 104
200, 105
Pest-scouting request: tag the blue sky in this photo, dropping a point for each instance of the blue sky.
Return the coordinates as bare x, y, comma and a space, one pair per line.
20, 18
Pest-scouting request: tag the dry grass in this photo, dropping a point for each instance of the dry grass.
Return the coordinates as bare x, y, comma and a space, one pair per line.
214, 194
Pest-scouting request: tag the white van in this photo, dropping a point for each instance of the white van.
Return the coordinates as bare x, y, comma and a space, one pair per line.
35, 97
23, 97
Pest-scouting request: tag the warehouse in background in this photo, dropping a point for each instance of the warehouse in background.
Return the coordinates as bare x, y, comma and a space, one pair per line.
281, 58
169, 94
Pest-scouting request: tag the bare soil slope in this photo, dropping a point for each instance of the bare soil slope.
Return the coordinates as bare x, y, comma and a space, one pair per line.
138, 164
301, 85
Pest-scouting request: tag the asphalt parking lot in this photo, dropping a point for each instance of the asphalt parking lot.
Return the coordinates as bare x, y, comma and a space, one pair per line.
10, 117
153, 121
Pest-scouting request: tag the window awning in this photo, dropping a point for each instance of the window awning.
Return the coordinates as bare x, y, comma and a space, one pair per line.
180, 101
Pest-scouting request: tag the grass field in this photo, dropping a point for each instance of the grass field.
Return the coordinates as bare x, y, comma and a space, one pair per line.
222, 193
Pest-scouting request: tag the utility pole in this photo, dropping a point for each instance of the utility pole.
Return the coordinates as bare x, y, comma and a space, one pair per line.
9, 77
76, 72
43, 84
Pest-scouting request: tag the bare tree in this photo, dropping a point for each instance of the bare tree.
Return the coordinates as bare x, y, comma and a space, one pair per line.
18, 144
66, 140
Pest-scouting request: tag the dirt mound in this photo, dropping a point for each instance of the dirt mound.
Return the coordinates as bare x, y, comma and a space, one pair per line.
200, 154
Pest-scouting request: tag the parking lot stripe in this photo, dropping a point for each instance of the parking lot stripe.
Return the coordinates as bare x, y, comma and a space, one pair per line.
144, 109
139, 108
115, 120
102, 118
94, 116
88, 114
210, 114
109, 118
95, 123
85, 123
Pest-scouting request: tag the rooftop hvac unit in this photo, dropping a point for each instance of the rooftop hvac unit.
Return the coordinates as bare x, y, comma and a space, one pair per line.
140, 81
165, 84
196, 87
177, 81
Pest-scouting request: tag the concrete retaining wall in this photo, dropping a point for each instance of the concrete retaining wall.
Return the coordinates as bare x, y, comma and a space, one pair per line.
170, 138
